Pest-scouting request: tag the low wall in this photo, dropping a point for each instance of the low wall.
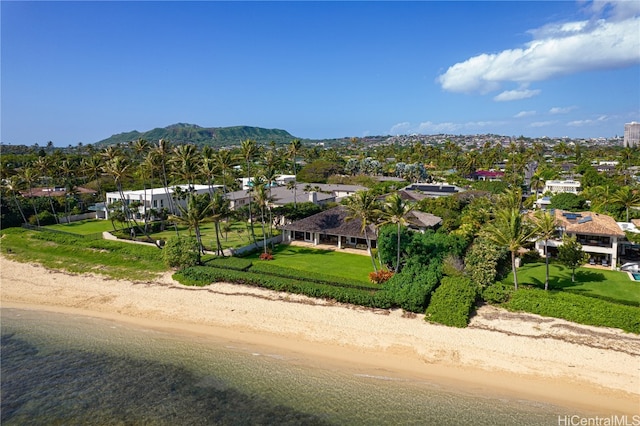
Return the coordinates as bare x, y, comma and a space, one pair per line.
77, 217
257, 246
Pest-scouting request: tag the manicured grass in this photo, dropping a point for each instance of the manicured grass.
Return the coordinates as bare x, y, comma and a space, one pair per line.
84, 227
326, 262
238, 235
609, 285
78, 255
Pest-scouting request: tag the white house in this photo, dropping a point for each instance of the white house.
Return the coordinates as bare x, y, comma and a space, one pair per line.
151, 198
560, 186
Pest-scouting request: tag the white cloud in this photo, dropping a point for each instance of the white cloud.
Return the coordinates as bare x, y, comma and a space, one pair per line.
522, 114
542, 123
429, 127
561, 110
513, 95
556, 49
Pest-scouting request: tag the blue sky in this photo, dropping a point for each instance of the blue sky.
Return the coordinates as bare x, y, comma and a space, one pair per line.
81, 71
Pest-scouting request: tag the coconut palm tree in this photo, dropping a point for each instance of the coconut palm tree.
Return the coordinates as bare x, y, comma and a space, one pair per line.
545, 228
92, 167
509, 230
262, 199
294, 149
196, 212
12, 185
186, 162
248, 151
395, 210
626, 197
363, 206
48, 170
163, 151
29, 176
219, 210
225, 161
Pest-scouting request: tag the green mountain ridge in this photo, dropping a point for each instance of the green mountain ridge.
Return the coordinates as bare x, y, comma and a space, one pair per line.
182, 133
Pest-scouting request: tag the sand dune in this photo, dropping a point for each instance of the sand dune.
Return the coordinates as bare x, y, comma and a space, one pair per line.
537, 358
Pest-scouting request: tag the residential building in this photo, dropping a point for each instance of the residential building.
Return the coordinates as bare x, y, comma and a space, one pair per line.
599, 235
631, 134
419, 191
560, 186
490, 175
150, 198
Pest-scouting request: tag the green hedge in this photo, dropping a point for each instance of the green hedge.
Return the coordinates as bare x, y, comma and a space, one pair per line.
452, 302
576, 308
235, 263
280, 271
204, 275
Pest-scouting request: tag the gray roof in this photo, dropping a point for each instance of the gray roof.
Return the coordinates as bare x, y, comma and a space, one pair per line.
423, 220
332, 222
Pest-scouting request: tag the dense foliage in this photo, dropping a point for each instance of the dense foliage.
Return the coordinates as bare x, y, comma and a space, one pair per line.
411, 289
181, 252
453, 302
576, 308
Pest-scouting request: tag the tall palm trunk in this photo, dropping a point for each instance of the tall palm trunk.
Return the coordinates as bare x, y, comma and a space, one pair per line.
373, 261
513, 269
15, 199
398, 250
253, 234
546, 261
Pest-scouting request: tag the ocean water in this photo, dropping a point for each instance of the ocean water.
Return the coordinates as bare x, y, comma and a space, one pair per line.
59, 369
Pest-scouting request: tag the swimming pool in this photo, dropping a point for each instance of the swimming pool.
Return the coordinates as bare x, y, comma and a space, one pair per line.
636, 276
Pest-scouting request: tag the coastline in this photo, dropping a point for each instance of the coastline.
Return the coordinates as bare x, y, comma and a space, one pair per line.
516, 355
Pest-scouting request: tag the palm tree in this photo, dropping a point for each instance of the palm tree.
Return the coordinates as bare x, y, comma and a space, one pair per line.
92, 167
197, 211
162, 151
395, 210
294, 149
12, 185
509, 230
219, 210
185, 162
545, 228
626, 197
248, 150
363, 206
49, 170
30, 176
225, 161
262, 199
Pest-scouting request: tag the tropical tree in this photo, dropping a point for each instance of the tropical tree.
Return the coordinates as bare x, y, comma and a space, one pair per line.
219, 210
626, 197
29, 176
248, 151
363, 206
162, 153
225, 161
12, 185
196, 212
395, 211
545, 228
294, 149
262, 199
186, 162
571, 254
48, 170
510, 231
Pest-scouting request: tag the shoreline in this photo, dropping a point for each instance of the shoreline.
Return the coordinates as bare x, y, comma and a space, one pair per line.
521, 356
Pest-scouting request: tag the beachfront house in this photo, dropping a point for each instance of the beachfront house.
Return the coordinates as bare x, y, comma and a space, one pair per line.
151, 198
599, 235
331, 227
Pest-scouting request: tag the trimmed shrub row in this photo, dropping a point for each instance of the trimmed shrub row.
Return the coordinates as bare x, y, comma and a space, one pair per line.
203, 275
576, 308
452, 302
235, 263
280, 271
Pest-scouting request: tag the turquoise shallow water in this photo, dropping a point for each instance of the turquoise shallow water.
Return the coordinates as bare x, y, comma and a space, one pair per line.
75, 370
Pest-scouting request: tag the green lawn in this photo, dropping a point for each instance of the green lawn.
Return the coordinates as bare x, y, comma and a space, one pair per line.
75, 254
327, 262
611, 285
84, 227
237, 236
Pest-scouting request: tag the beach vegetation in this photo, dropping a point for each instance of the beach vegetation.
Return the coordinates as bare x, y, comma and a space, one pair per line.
411, 289
453, 302
181, 251
576, 308
78, 254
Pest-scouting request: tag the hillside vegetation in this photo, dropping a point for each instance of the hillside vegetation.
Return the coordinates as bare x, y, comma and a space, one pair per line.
203, 136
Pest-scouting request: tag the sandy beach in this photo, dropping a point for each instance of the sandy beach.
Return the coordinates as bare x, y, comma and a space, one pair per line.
522, 355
